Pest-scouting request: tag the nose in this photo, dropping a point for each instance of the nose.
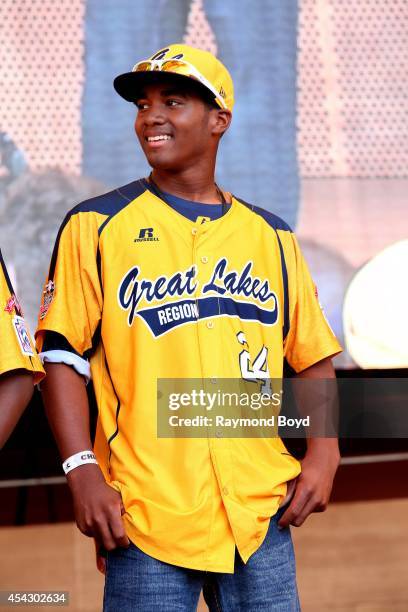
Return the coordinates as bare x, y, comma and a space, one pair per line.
154, 115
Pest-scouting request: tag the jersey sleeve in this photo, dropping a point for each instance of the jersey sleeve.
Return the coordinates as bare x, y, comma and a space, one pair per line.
56, 349
17, 350
310, 337
71, 302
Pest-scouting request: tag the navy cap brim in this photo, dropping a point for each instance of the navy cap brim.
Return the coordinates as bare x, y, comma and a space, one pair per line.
129, 84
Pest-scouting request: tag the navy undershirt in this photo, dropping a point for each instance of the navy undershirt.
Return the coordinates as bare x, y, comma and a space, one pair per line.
192, 210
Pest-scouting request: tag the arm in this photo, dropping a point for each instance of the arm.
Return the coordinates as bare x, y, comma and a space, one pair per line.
97, 506
16, 390
319, 466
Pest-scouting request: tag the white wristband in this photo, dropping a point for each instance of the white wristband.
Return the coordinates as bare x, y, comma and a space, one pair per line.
78, 459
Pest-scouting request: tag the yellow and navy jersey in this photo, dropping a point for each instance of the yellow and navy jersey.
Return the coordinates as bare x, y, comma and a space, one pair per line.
17, 351
145, 293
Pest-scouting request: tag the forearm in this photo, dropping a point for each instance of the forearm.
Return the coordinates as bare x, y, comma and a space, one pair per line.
67, 408
16, 390
97, 506
316, 396
315, 482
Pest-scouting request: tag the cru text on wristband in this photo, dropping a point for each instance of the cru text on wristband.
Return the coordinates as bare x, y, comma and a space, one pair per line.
78, 459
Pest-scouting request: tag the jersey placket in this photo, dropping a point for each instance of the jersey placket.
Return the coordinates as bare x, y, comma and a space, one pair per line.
210, 347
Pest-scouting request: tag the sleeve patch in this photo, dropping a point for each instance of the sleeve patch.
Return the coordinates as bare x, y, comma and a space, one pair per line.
48, 296
23, 336
12, 304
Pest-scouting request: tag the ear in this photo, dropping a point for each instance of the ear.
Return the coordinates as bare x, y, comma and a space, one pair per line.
221, 119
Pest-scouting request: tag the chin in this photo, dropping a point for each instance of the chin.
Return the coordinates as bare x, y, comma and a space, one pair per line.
164, 162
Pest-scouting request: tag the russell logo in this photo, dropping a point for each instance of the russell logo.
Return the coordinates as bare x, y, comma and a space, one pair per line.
146, 235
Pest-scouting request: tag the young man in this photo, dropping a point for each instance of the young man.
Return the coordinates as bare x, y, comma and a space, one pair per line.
20, 367
170, 277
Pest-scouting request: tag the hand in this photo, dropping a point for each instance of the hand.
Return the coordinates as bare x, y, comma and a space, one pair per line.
100, 559
314, 484
98, 507
290, 491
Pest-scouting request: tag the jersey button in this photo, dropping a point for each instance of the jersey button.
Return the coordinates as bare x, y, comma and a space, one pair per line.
225, 490
194, 231
210, 324
204, 259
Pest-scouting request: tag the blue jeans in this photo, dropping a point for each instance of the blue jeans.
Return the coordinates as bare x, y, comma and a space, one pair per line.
136, 582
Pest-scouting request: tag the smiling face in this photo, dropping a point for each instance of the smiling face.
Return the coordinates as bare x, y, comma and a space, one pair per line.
176, 127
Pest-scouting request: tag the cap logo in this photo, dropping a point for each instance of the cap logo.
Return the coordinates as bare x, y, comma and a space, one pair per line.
162, 54
222, 92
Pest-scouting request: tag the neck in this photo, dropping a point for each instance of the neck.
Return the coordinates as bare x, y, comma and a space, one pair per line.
187, 186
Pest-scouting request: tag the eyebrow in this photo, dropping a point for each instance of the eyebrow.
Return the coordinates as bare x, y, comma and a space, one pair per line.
169, 91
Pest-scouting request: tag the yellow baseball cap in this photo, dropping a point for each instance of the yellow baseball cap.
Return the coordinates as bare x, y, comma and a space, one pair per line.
187, 62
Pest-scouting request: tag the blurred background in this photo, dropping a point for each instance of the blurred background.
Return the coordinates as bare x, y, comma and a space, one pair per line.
320, 137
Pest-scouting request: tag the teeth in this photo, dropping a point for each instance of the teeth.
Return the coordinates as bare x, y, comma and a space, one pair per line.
161, 137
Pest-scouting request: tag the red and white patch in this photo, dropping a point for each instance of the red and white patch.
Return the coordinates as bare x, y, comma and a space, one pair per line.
10, 304
13, 304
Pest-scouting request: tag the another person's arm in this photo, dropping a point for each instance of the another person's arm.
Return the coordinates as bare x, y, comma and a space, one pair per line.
20, 367
16, 390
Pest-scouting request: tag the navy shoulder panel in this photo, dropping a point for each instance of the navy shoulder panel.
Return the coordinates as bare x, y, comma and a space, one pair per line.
112, 202
108, 204
272, 220
277, 224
